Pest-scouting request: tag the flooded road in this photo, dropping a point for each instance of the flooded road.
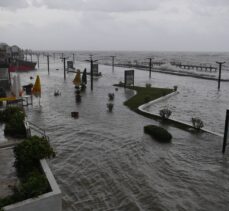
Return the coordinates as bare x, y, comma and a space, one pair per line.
104, 160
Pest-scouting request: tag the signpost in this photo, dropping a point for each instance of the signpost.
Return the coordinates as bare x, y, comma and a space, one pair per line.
70, 64
226, 137
96, 69
129, 77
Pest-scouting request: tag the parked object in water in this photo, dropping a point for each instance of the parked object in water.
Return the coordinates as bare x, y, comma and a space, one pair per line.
75, 114
111, 96
110, 107
57, 93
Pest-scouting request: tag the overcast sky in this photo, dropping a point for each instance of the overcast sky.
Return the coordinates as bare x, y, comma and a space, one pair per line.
153, 25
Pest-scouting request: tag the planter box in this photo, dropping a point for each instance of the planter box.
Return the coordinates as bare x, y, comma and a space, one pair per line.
45, 202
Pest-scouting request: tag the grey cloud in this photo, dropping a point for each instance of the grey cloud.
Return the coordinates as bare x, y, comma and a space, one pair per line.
209, 7
100, 5
13, 4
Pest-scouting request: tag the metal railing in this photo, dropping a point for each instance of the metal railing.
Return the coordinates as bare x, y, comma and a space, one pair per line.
33, 127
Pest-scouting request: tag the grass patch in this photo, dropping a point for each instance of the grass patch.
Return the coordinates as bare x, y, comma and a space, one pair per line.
147, 94
144, 95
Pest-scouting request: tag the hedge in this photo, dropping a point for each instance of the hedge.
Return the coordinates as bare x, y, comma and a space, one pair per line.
27, 163
13, 117
158, 133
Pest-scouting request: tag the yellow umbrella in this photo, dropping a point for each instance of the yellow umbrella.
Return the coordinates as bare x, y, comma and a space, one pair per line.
37, 87
77, 79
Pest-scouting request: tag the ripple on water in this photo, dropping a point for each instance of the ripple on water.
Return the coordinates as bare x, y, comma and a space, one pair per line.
105, 162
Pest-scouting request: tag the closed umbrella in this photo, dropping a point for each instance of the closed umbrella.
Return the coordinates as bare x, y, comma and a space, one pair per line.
36, 91
77, 80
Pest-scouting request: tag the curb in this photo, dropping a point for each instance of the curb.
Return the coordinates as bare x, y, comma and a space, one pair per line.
142, 107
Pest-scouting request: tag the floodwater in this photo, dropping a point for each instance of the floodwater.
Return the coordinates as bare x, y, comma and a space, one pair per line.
104, 160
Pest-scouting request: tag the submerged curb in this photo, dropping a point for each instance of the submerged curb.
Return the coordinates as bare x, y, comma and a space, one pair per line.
142, 107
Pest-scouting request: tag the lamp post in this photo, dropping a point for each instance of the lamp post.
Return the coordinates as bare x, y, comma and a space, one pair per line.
48, 61
220, 67
91, 62
150, 66
113, 63
38, 60
64, 60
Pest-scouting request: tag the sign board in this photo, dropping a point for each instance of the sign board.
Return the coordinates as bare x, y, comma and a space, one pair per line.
129, 77
70, 64
226, 136
95, 69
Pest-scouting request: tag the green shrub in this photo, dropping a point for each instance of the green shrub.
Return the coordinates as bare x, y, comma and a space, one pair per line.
9, 112
165, 113
197, 123
29, 152
27, 162
13, 117
158, 133
15, 125
34, 185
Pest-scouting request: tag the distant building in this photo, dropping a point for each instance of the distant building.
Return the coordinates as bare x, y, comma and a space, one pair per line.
7, 52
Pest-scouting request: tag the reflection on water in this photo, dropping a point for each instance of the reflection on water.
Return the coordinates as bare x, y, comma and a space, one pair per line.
105, 161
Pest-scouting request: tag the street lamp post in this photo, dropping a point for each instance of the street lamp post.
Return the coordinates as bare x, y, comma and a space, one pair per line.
220, 67
91, 62
150, 66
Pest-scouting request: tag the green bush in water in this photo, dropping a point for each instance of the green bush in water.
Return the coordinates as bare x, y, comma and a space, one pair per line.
165, 113
27, 162
7, 114
29, 153
34, 185
15, 125
158, 133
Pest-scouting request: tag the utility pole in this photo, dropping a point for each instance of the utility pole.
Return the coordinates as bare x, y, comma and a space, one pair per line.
220, 67
73, 58
64, 60
225, 132
26, 52
91, 62
113, 63
38, 61
150, 66
48, 62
